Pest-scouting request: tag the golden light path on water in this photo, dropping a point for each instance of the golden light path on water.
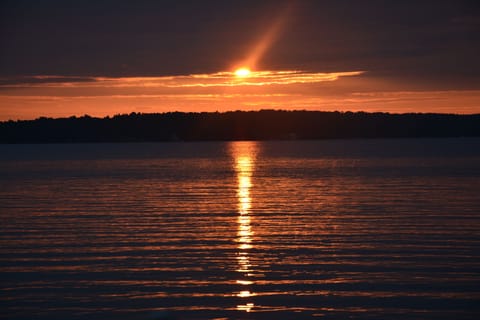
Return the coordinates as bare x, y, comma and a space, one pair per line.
243, 154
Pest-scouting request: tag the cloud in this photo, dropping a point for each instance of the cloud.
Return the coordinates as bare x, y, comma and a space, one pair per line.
21, 81
218, 79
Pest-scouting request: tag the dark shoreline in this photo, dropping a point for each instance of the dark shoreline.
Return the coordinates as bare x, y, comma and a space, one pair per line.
239, 125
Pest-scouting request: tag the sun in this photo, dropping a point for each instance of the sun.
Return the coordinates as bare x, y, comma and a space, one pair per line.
242, 72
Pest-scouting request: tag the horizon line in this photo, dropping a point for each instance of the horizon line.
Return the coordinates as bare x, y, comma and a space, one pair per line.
237, 111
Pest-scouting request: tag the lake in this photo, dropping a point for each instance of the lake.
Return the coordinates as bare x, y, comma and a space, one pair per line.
334, 229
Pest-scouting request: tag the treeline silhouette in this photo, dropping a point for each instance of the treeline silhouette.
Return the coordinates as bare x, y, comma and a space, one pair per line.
238, 125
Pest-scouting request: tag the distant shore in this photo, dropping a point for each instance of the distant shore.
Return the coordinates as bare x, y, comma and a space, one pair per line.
238, 125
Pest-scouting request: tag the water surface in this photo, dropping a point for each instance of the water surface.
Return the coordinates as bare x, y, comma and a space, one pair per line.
361, 229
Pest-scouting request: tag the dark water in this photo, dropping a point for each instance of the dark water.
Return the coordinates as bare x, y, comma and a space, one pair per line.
360, 229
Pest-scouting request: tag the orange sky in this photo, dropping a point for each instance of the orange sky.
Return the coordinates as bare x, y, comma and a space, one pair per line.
224, 91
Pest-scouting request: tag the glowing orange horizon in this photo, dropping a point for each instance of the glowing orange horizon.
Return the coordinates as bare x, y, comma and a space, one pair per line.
225, 91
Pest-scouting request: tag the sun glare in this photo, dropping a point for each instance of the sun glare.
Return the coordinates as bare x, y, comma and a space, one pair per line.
242, 72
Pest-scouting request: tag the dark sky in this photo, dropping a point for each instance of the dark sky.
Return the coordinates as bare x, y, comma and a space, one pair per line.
426, 41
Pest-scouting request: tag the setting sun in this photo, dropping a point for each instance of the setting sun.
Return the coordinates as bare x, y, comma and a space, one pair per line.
242, 72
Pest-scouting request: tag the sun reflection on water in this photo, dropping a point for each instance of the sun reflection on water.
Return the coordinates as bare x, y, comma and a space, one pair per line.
244, 154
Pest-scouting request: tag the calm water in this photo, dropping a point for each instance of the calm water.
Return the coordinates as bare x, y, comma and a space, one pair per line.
360, 229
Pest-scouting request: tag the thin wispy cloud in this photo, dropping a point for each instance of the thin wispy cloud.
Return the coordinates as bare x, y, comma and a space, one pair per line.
218, 79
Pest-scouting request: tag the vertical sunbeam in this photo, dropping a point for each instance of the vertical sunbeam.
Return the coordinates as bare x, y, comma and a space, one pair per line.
268, 38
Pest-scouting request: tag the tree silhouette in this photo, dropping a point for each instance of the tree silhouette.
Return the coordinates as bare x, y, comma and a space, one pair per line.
238, 125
